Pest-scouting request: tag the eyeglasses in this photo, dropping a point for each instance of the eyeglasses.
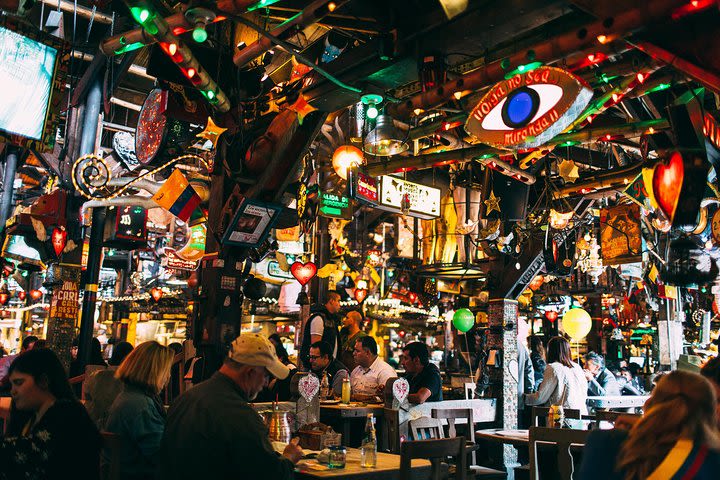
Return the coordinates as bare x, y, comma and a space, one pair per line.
314, 357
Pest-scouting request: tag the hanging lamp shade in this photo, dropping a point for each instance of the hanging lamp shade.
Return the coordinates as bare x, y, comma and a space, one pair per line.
385, 140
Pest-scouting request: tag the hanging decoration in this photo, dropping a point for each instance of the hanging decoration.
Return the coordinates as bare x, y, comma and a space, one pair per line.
560, 221
303, 272
156, 293
177, 196
463, 319
589, 260
211, 133
492, 204
577, 323
360, 294
36, 294
667, 183
620, 235
568, 170
4, 297
551, 315
58, 238
346, 157
22, 295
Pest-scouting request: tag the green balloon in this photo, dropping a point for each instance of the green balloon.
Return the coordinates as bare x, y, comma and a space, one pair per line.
463, 320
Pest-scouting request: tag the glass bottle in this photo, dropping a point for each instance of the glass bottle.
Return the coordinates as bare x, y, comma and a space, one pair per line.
346, 390
324, 387
368, 449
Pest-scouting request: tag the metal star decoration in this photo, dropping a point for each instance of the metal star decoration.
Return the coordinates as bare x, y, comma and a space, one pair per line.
302, 108
568, 171
212, 132
492, 203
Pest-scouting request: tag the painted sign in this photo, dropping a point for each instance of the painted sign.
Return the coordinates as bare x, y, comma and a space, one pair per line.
528, 109
130, 223
620, 237
367, 188
335, 206
274, 270
422, 201
65, 301
252, 223
175, 262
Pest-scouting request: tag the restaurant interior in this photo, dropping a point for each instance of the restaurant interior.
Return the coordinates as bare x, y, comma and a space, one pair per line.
485, 178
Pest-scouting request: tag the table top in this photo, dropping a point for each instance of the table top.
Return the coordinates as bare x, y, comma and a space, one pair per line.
510, 437
352, 409
388, 466
617, 401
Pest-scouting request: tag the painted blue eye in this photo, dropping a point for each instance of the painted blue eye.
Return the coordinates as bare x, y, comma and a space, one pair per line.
520, 107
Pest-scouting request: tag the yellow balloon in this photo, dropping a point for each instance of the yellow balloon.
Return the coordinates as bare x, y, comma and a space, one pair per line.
577, 323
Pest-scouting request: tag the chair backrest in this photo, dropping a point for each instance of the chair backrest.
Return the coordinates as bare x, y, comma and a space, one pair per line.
392, 429
451, 415
426, 428
434, 450
470, 389
542, 412
114, 444
565, 440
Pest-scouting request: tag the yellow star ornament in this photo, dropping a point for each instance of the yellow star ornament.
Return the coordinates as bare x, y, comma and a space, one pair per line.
492, 203
568, 171
302, 108
212, 132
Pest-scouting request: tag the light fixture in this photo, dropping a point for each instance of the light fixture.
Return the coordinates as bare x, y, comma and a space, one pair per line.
200, 17
361, 284
344, 158
560, 221
371, 101
36, 294
384, 140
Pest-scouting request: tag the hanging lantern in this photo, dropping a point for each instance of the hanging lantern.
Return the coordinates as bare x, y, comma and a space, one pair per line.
551, 315
4, 297
59, 240
537, 282
560, 221
156, 293
303, 272
21, 295
577, 323
36, 294
344, 158
361, 294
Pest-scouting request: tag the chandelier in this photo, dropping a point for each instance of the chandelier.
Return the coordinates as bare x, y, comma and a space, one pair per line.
589, 260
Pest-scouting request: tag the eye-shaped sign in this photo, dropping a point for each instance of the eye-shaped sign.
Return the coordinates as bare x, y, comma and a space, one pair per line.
529, 109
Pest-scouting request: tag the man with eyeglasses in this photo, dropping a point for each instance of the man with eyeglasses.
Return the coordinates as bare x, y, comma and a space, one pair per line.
213, 432
322, 363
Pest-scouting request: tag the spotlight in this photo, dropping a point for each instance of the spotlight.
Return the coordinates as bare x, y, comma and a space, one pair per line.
371, 101
200, 17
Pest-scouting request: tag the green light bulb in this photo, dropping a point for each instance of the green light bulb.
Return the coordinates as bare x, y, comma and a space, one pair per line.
210, 94
199, 34
144, 15
372, 112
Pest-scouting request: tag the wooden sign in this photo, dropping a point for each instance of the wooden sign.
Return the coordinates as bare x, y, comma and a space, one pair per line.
422, 201
528, 109
620, 237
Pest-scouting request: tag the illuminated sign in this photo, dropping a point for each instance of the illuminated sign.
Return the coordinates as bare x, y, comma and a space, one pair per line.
335, 206
274, 270
367, 188
528, 109
711, 130
421, 201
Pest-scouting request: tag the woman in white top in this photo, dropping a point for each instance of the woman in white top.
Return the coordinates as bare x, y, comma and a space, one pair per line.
563, 383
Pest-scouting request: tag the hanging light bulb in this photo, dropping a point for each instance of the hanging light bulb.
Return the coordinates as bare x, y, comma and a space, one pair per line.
344, 158
385, 140
371, 101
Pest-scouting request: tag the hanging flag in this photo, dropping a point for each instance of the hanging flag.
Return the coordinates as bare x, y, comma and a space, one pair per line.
177, 196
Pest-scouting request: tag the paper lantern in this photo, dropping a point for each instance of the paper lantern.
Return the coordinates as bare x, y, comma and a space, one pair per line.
156, 293
361, 294
21, 295
4, 297
303, 272
551, 315
346, 157
577, 323
36, 294
463, 319
59, 240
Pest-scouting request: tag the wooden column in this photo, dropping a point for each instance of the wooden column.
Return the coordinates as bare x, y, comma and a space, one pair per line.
502, 338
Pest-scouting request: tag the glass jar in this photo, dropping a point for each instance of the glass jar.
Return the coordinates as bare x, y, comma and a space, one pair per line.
337, 457
346, 390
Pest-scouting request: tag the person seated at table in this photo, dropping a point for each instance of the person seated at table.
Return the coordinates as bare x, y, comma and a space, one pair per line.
369, 377
677, 437
322, 363
711, 371
212, 431
423, 376
563, 382
137, 415
601, 381
50, 434
625, 381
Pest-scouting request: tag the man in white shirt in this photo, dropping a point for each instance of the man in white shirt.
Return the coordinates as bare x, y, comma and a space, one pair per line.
369, 377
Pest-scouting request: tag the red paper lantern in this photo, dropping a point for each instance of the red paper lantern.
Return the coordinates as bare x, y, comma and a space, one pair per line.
361, 294
192, 281
36, 294
303, 272
551, 315
4, 297
156, 293
346, 157
59, 240
21, 295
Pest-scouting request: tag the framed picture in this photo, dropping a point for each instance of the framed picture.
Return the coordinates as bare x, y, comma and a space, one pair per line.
252, 223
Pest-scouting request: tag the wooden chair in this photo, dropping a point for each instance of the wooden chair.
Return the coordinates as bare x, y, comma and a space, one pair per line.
453, 414
470, 389
435, 451
114, 443
426, 428
565, 440
542, 412
392, 429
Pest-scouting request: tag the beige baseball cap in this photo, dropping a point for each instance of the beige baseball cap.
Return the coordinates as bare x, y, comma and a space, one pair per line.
257, 351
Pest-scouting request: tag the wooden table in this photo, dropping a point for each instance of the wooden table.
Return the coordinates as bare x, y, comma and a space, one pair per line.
388, 467
617, 401
343, 416
517, 438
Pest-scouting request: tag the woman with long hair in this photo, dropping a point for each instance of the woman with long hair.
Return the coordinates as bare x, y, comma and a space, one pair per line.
677, 438
563, 382
50, 434
137, 414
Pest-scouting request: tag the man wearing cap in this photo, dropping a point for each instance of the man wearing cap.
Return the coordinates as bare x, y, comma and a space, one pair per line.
213, 432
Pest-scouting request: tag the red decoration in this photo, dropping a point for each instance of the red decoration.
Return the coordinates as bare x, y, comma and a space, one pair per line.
156, 293
303, 272
192, 281
361, 294
4, 297
667, 182
59, 240
36, 294
21, 295
551, 315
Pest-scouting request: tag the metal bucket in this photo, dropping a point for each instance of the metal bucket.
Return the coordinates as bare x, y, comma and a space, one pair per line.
279, 425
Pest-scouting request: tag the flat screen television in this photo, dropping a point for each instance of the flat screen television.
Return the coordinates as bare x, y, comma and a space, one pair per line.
32, 77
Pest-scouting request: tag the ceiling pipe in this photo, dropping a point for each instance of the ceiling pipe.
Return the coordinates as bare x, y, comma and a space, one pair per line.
612, 180
309, 15
462, 155
134, 69
700, 75
84, 12
116, 43
547, 52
